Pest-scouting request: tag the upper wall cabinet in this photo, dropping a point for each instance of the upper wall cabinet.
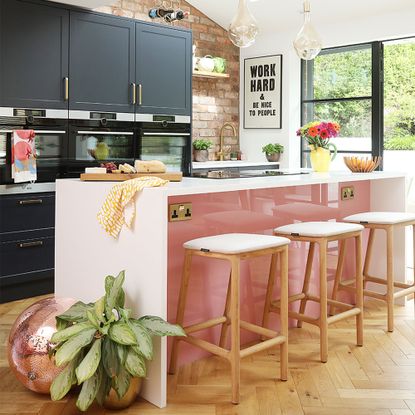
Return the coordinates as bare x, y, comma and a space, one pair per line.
102, 63
34, 49
163, 70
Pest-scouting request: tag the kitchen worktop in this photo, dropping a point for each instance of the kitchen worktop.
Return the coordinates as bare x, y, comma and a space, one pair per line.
193, 186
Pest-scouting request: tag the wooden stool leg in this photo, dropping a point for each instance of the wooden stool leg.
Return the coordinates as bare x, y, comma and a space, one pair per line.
284, 313
389, 276
359, 289
181, 306
225, 325
339, 272
270, 289
368, 256
323, 302
235, 330
307, 276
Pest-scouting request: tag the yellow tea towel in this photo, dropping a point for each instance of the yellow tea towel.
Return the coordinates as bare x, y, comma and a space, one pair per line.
112, 215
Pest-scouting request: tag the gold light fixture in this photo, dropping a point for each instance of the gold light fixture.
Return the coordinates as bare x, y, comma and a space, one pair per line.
308, 43
243, 29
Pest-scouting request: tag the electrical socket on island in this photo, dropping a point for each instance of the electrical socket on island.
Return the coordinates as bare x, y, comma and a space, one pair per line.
180, 211
347, 193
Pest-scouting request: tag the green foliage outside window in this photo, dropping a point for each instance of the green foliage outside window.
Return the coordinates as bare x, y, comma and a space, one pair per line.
348, 74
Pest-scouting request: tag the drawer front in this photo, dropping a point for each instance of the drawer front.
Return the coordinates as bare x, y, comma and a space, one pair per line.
31, 284
21, 256
28, 211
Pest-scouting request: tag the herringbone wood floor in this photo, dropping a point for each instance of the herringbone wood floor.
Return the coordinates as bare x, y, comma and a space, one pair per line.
378, 378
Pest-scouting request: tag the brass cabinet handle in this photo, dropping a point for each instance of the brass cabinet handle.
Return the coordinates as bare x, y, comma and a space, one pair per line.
140, 94
30, 244
30, 202
66, 93
134, 89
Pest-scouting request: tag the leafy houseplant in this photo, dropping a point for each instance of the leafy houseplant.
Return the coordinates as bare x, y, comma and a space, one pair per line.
103, 347
273, 151
201, 148
318, 135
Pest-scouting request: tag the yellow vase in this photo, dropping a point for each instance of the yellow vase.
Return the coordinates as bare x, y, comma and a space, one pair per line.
320, 159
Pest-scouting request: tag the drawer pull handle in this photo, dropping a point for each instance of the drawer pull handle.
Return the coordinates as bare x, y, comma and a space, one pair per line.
30, 244
30, 202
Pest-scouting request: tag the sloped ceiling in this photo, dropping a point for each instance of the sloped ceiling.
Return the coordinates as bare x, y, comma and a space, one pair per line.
280, 15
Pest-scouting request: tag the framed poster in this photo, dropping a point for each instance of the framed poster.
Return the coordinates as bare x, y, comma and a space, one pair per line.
262, 96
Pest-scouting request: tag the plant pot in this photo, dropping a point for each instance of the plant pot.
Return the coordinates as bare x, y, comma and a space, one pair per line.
320, 159
273, 157
113, 402
201, 155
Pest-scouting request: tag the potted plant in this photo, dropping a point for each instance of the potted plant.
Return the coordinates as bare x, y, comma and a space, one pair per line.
200, 149
105, 349
317, 135
273, 151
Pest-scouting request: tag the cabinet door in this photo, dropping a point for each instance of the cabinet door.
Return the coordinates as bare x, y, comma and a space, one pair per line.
163, 65
34, 48
102, 59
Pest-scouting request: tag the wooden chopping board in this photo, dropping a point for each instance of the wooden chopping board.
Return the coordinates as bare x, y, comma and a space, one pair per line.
121, 177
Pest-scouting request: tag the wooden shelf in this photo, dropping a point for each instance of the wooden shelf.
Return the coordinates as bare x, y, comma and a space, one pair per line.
213, 75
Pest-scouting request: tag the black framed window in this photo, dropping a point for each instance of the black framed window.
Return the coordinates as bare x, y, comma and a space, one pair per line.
344, 84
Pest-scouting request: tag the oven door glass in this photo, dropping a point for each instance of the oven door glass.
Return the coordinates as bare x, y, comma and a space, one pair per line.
49, 152
49, 146
170, 148
103, 146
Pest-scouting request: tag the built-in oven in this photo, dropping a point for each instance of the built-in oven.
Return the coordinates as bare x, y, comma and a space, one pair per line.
97, 137
167, 138
51, 131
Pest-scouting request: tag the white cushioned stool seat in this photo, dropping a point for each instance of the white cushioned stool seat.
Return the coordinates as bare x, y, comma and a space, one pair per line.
318, 229
381, 218
235, 243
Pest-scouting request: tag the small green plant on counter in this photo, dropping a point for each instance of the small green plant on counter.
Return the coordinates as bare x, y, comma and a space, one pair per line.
202, 144
400, 143
270, 149
103, 347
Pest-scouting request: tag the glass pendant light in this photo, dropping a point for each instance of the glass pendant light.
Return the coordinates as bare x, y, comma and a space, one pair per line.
308, 43
243, 29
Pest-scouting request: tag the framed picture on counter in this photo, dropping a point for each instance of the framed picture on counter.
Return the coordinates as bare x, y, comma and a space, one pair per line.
263, 92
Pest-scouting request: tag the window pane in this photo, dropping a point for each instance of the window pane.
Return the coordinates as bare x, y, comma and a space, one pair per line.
354, 117
337, 73
338, 163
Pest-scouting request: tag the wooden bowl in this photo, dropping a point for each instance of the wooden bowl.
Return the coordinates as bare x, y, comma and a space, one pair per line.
362, 164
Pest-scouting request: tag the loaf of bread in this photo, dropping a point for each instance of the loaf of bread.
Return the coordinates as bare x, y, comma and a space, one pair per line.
150, 166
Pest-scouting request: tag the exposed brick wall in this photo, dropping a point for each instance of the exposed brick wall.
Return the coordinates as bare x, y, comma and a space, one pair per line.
215, 101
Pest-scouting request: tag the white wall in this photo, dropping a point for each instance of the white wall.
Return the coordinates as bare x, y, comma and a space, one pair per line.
371, 28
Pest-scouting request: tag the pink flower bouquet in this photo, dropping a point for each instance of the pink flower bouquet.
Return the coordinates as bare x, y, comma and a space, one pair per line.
318, 134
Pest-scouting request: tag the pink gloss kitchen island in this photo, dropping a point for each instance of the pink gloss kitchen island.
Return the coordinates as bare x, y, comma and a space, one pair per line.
152, 253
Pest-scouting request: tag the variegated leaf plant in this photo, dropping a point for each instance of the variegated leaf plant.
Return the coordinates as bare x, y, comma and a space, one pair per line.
102, 346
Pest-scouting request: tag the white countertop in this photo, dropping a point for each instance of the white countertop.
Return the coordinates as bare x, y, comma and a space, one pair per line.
227, 164
191, 186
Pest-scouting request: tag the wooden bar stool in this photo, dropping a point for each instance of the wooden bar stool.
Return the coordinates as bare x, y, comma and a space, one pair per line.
321, 233
234, 247
386, 221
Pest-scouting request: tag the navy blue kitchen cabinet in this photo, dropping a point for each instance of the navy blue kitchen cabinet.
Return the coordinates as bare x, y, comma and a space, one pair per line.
34, 51
163, 69
60, 57
27, 245
102, 62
